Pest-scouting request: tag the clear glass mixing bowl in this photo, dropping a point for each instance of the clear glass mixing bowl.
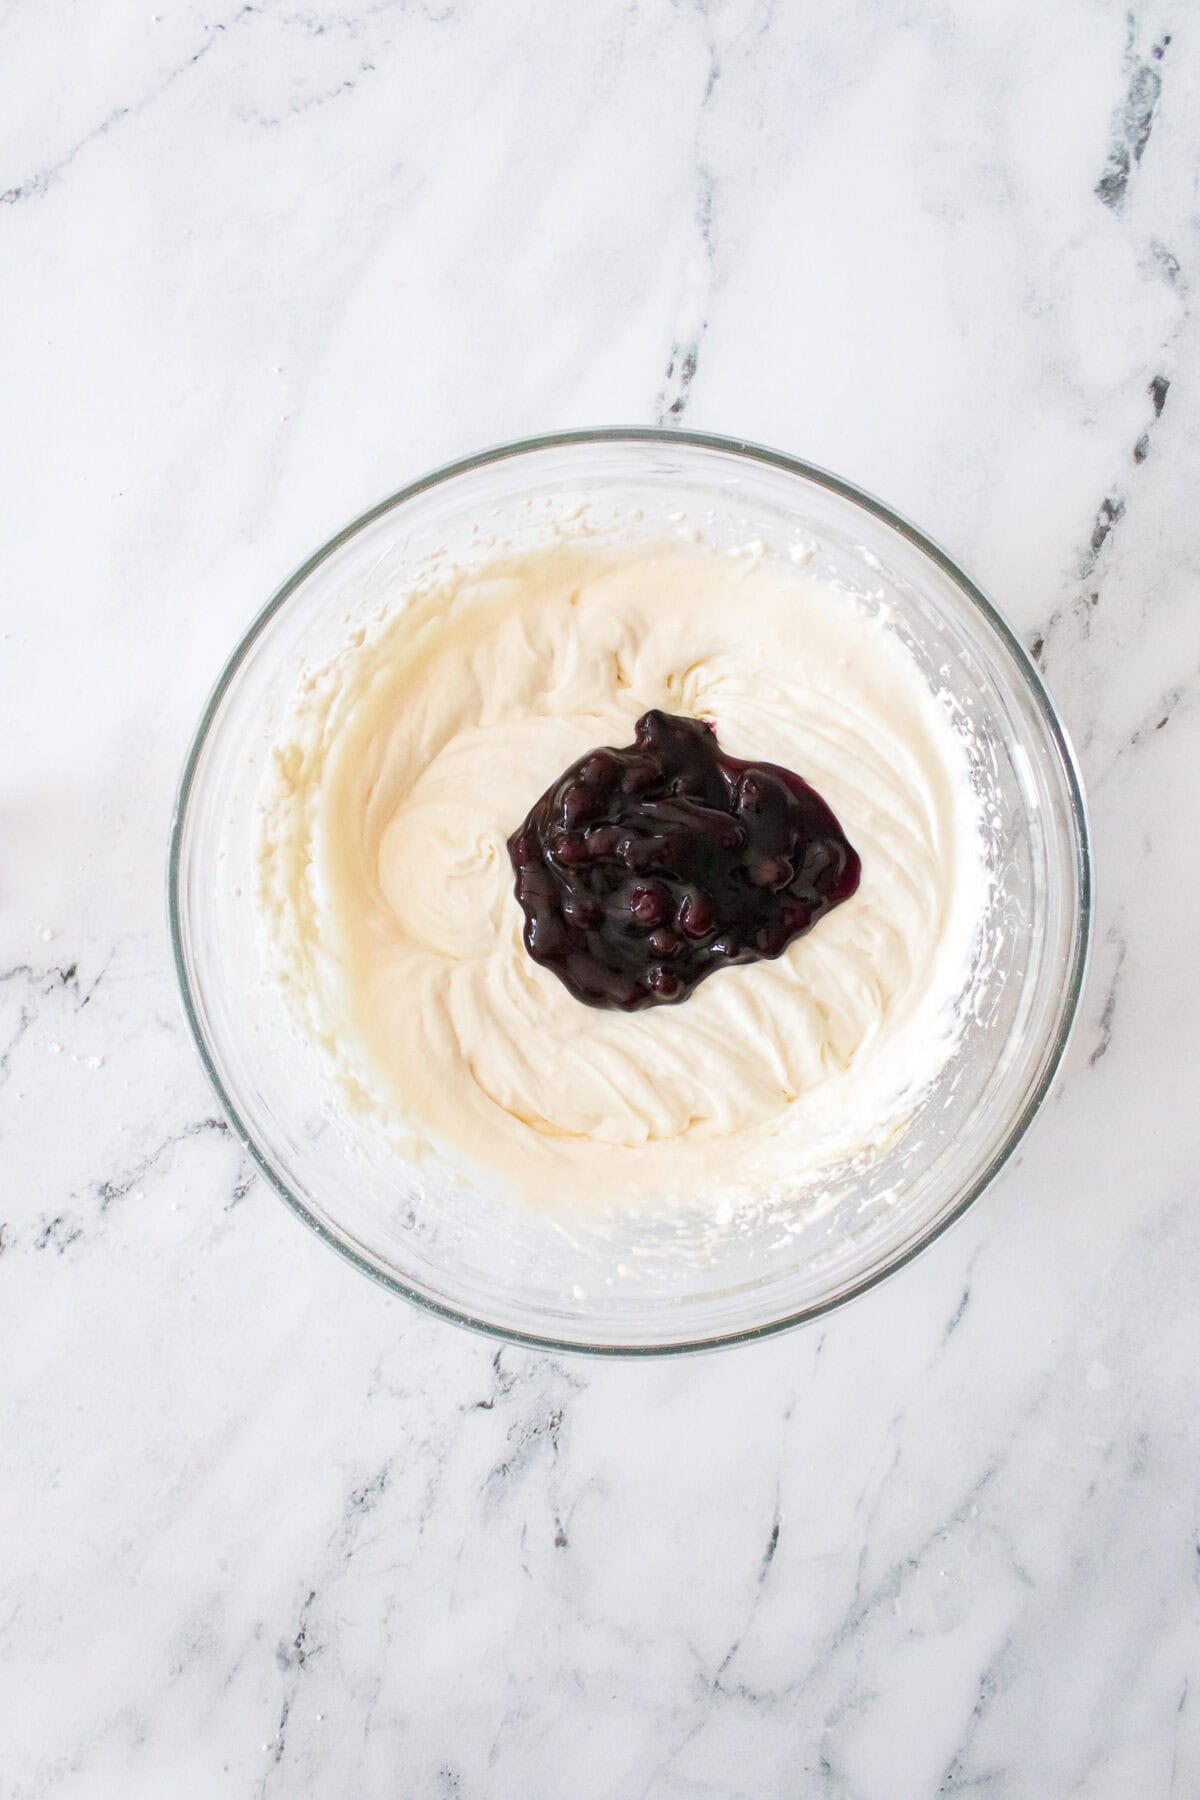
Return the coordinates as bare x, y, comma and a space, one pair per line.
645, 1285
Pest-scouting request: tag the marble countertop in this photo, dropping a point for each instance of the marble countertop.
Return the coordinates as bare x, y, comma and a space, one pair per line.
265, 1530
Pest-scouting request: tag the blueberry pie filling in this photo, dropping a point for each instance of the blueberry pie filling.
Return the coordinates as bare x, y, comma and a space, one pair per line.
643, 870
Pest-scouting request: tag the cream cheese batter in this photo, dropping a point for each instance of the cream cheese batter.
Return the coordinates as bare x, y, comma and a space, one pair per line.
387, 892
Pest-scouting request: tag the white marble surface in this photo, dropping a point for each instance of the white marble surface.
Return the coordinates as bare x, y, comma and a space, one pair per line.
265, 1531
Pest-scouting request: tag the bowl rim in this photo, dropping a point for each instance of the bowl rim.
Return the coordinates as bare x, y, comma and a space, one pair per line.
1083, 923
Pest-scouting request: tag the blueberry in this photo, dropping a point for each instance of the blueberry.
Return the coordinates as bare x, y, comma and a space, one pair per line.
568, 848
601, 841
772, 872
600, 769
640, 776
579, 804
695, 917
650, 905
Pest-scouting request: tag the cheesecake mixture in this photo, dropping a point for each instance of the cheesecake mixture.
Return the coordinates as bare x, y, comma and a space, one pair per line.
387, 887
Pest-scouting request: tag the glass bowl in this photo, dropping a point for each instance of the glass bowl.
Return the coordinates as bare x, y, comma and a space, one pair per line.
640, 1286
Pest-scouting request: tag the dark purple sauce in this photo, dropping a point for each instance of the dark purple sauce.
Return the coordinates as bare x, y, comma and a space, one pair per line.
641, 871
